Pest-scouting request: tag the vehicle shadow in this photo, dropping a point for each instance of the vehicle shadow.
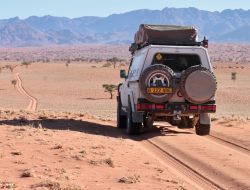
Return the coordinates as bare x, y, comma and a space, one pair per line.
94, 128
158, 130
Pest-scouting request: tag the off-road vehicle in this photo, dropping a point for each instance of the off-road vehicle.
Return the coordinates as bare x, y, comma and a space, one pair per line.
170, 78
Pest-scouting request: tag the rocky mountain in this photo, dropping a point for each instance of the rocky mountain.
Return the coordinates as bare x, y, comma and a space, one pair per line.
225, 26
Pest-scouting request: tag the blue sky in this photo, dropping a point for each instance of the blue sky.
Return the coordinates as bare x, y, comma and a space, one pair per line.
78, 8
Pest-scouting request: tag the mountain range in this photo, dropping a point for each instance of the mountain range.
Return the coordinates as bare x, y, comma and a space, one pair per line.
225, 26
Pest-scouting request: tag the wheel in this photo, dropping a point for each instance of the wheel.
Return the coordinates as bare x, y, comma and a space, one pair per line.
202, 129
121, 117
185, 123
133, 128
148, 121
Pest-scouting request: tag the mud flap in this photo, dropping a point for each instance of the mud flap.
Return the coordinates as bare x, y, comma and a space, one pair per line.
137, 117
205, 119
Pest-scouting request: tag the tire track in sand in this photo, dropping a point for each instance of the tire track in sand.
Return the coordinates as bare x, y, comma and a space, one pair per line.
199, 180
33, 101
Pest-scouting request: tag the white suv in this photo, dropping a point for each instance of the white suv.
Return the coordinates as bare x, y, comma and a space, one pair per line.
174, 83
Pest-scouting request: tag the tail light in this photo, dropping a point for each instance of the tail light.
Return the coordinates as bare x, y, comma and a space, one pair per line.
159, 106
148, 106
208, 108
142, 106
203, 108
193, 107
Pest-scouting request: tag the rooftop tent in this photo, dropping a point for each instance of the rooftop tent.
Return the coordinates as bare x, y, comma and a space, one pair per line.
165, 35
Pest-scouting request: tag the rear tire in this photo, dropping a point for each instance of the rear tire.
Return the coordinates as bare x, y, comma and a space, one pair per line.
202, 129
133, 128
121, 117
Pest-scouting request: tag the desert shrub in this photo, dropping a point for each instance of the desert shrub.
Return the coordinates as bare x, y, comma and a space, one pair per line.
123, 64
67, 63
114, 61
95, 60
54, 185
110, 88
10, 67
26, 63
14, 82
109, 162
107, 64
27, 173
7, 185
233, 76
130, 179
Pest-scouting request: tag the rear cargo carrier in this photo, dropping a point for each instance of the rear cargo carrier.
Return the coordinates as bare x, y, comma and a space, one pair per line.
164, 35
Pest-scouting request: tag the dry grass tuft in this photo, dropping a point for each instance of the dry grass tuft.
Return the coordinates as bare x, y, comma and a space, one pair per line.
28, 173
95, 162
130, 179
82, 152
98, 147
159, 170
16, 153
58, 146
107, 65
109, 162
20, 129
7, 185
19, 162
78, 157
52, 185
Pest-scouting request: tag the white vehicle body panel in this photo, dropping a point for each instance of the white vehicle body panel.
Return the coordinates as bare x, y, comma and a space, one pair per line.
142, 59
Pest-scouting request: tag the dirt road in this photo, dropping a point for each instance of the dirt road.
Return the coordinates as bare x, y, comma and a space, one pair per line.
32, 100
96, 155
209, 162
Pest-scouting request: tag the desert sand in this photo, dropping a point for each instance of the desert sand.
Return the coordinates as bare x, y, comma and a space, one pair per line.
58, 132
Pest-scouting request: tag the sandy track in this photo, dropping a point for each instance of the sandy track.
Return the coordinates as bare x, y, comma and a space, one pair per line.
205, 162
186, 172
229, 144
33, 102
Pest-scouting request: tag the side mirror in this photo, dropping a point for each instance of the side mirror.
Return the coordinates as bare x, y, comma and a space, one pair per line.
123, 73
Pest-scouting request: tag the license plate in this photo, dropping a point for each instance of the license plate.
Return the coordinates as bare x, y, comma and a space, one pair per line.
159, 90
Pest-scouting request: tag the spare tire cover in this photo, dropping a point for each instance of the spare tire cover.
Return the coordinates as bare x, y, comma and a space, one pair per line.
198, 85
157, 76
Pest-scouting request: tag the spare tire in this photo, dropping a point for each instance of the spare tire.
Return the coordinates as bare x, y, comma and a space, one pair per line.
198, 85
157, 76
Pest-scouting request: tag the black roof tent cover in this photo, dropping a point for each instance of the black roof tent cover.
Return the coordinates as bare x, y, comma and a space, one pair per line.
165, 35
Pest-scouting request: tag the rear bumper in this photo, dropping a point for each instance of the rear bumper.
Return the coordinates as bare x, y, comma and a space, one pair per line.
173, 107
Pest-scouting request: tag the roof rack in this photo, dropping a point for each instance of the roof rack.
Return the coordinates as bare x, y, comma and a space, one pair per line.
134, 47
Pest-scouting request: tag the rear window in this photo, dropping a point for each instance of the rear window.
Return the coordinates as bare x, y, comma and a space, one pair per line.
177, 62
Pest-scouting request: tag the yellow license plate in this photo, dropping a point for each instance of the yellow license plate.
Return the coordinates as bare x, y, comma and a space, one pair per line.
159, 90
